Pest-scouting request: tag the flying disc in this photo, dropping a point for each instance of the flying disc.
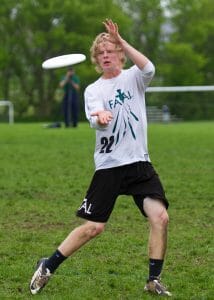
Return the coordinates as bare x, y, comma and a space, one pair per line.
63, 61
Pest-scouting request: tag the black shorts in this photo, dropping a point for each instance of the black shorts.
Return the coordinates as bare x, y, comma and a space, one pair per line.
138, 180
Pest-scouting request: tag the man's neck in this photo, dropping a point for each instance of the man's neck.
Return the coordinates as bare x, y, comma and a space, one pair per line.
111, 74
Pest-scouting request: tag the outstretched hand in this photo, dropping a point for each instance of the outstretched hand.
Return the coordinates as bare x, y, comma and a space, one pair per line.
103, 117
112, 29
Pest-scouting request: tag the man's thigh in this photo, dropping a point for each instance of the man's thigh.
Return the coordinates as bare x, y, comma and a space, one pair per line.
154, 208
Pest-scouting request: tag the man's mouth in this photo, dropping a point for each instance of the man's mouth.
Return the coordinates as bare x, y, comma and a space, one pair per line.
106, 63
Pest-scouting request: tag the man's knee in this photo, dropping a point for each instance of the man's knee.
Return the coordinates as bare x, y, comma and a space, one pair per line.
163, 218
92, 229
156, 212
160, 219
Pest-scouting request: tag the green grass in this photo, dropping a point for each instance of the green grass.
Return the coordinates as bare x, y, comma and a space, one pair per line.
44, 177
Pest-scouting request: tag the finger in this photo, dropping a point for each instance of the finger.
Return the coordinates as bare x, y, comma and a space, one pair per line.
106, 22
96, 113
109, 24
110, 117
107, 28
103, 121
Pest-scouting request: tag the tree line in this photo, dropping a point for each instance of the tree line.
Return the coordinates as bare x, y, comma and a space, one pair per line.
176, 35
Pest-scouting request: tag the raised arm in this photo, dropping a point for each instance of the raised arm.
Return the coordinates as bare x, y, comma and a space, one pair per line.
133, 54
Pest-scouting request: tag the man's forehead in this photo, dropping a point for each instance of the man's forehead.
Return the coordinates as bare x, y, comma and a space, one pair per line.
106, 45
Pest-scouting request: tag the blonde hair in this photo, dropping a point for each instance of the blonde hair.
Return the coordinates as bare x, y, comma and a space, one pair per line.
102, 38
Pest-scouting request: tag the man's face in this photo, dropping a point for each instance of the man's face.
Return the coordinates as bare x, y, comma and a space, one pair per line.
108, 57
70, 73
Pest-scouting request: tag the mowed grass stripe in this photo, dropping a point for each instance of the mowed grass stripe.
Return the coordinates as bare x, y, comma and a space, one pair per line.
44, 177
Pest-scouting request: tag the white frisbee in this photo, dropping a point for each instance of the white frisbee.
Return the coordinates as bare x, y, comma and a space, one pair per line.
63, 61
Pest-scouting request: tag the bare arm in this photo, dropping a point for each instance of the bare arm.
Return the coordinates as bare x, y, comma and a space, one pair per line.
133, 54
75, 85
63, 82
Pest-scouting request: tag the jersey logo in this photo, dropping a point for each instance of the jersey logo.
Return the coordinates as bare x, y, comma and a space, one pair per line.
120, 98
128, 118
86, 207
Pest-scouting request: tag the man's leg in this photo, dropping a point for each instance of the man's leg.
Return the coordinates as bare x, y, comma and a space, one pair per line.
74, 111
158, 219
77, 238
66, 111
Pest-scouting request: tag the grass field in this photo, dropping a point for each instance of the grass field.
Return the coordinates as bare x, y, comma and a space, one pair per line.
44, 174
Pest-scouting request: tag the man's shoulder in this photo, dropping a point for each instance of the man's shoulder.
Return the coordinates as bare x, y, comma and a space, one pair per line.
76, 78
93, 85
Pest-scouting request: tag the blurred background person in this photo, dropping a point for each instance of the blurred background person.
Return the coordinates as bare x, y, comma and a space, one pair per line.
165, 113
71, 85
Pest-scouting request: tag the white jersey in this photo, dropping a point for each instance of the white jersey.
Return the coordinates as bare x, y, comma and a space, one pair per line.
124, 140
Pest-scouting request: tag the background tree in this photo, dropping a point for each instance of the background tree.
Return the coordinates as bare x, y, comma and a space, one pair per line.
147, 20
187, 55
6, 45
35, 30
176, 34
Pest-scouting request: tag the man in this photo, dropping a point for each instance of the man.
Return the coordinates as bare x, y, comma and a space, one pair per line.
71, 85
115, 106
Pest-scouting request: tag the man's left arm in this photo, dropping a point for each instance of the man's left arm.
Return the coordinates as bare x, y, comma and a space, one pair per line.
138, 58
75, 82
